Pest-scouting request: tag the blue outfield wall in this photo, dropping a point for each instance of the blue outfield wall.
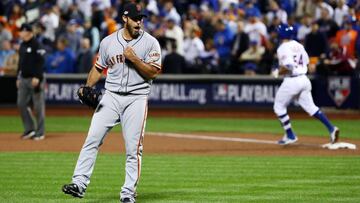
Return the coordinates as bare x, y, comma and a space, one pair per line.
204, 91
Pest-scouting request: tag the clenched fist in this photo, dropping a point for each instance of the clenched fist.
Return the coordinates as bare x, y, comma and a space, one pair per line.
129, 54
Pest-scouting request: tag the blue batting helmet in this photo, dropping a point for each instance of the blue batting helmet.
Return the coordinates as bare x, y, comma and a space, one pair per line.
285, 31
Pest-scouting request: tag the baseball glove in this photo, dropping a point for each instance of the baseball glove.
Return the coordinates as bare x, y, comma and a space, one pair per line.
89, 96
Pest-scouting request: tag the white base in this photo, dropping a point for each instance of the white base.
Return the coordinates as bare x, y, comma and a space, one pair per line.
339, 145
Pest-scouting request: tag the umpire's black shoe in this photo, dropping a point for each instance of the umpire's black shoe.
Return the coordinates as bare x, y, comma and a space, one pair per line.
74, 190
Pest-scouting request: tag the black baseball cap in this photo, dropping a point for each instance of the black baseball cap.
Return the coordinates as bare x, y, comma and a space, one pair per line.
133, 11
26, 27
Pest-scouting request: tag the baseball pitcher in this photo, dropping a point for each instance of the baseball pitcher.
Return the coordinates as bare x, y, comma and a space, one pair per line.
132, 58
293, 61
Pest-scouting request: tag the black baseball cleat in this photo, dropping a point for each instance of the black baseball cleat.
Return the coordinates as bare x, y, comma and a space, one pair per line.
38, 137
127, 200
28, 135
73, 190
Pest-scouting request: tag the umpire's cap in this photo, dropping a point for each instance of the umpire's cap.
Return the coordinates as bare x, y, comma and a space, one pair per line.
26, 27
133, 11
285, 31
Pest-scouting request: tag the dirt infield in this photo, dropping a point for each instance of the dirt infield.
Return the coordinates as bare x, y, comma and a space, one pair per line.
72, 142
209, 144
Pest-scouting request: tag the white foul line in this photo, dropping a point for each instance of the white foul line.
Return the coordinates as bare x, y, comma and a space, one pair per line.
205, 137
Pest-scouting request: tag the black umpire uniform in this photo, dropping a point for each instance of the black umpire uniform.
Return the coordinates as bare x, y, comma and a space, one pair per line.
30, 83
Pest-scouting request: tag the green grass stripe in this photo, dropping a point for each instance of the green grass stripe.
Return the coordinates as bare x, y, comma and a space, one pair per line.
38, 177
349, 128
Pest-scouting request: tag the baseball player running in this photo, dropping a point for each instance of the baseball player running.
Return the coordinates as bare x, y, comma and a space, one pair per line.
132, 58
293, 61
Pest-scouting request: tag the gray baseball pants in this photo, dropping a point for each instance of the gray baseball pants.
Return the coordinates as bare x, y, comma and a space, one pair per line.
131, 112
27, 94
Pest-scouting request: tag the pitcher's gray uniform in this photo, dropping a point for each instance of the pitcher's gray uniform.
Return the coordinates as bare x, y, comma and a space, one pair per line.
125, 102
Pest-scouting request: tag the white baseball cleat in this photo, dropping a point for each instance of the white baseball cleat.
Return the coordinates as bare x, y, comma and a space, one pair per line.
334, 135
287, 140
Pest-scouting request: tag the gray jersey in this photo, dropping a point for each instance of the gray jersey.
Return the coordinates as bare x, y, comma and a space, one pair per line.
122, 77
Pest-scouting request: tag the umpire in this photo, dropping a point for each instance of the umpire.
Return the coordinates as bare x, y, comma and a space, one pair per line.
30, 84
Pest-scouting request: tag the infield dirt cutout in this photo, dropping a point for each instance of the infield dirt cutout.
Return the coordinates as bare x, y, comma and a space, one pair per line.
199, 143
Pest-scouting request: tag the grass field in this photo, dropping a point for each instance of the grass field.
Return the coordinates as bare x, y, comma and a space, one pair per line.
38, 177
312, 127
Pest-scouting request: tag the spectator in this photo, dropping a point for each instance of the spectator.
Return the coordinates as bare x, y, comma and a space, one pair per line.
153, 23
50, 20
175, 32
87, 7
193, 12
152, 7
16, 18
223, 41
173, 62
12, 62
45, 43
72, 35
65, 5
193, 46
337, 62
92, 33
305, 28
210, 58
73, 12
5, 34
305, 7
272, 26
97, 15
315, 46
252, 57
275, 10
86, 57
251, 10
268, 60
346, 38
319, 6
241, 43
206, 25
5, 51
62, 61
226, 4
256, 29
171, 13
109, 25
327, 25
32, 10
315, 42
340, 12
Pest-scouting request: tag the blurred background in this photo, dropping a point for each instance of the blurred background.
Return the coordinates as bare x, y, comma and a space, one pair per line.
215, 52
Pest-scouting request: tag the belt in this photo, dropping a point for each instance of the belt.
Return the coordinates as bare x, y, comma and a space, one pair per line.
121, 93
293, 76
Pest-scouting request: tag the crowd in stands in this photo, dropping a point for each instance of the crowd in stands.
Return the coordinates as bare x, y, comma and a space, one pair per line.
200, 36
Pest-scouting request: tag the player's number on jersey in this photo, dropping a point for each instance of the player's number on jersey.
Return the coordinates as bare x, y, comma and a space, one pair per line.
298, 59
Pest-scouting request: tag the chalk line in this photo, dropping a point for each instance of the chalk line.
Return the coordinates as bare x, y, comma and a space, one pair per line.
214, 138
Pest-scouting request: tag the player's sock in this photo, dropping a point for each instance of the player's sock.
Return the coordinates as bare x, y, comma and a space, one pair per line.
285, 122
319, 115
